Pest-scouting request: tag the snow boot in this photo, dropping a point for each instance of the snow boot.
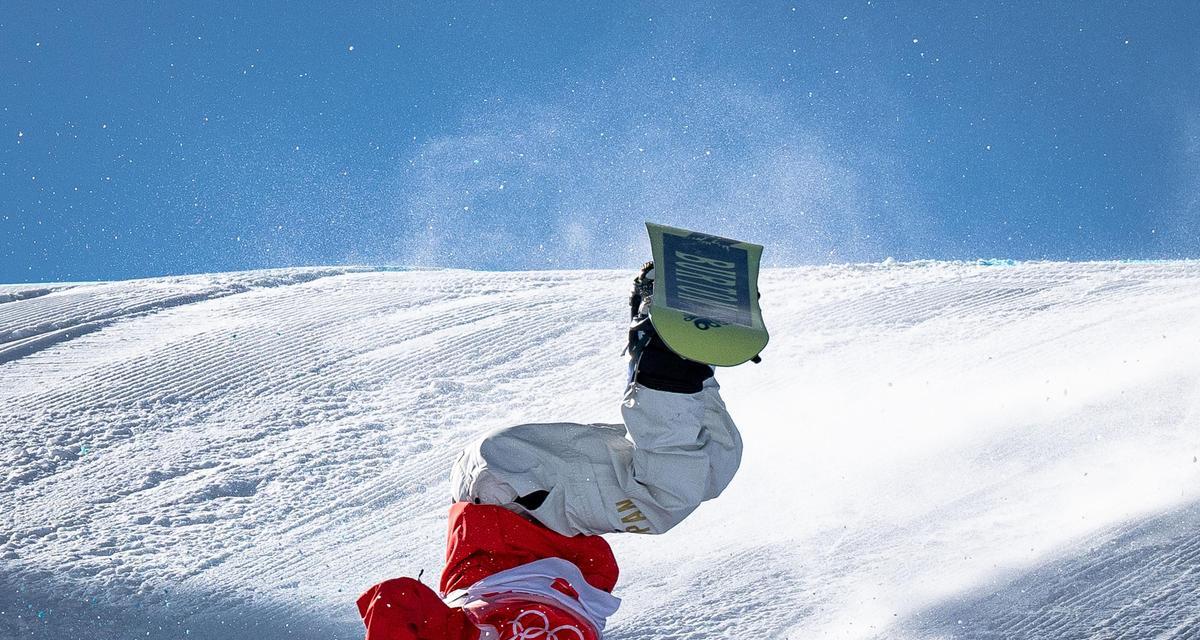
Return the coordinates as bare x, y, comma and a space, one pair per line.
651, 363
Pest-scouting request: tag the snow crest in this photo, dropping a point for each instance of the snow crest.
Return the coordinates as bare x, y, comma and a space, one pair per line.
933, 450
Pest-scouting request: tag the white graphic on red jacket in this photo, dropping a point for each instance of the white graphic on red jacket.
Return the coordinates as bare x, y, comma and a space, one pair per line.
539, 629
556, 582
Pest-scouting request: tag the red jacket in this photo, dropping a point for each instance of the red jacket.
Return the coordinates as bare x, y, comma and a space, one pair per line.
483, 540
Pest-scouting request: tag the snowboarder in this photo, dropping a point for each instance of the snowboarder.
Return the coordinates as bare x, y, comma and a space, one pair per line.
524, 556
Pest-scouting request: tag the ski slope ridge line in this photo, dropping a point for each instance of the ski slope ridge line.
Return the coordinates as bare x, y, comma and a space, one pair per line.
84, 308
933, 450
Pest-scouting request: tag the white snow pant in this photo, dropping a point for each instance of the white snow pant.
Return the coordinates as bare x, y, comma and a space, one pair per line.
684, 450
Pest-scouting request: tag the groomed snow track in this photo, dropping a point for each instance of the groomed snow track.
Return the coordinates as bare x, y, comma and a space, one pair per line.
934, 450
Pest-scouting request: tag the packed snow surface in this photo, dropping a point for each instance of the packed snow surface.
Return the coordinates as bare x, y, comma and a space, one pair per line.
933, 450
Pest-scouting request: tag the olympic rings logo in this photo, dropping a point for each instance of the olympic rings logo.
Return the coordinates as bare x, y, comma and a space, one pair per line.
540, 629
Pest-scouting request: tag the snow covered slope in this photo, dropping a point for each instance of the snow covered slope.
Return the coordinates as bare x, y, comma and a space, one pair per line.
934, 450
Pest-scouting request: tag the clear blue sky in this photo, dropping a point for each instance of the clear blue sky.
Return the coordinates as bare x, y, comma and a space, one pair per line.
141, 139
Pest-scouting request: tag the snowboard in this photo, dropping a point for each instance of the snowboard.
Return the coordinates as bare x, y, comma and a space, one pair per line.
705, 302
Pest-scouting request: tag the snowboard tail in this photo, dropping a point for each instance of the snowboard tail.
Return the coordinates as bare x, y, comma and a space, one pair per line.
705, 303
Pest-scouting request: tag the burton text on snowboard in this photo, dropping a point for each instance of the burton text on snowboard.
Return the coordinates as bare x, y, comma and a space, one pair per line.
705, 304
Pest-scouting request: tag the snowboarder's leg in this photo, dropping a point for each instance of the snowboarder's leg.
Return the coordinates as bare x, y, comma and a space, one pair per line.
687, 450
592, 479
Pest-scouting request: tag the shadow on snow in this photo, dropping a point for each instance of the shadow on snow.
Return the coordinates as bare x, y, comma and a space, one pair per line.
53, 608
1138, 580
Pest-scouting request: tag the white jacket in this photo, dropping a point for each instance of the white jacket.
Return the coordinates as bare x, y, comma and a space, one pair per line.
535, 579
